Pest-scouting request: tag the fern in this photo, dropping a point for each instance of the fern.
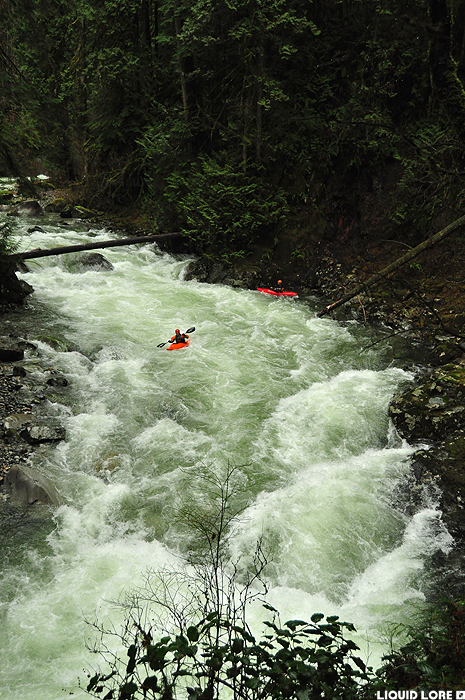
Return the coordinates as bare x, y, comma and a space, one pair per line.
8, 241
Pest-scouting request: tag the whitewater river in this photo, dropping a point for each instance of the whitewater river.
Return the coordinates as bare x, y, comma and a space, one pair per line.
292, 400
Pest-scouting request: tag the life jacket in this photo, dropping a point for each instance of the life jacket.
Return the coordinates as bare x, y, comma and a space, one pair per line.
180, 338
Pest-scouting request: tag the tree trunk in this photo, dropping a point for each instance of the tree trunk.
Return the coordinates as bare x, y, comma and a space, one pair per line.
182, 74
261, 73
443, 70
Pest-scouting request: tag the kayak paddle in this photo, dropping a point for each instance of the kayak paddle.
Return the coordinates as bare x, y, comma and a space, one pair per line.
189, 330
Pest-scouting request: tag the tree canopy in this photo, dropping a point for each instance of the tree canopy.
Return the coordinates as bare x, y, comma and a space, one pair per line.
254, 103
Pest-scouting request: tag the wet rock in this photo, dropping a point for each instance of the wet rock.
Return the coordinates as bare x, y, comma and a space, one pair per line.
15, 422
94, 261
26, 486
218, 273
57, 380
207, 271
35, 433
56, 205
28, 208
433, 412
12, 290
76, 212
442, 469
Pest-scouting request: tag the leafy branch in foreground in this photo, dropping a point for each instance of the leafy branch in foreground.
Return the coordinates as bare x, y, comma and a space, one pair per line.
186, 632
220, 207
214, 658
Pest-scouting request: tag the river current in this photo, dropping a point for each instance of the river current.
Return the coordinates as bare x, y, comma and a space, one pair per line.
297, 403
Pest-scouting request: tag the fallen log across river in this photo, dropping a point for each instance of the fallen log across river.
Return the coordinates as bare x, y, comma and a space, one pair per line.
44, 252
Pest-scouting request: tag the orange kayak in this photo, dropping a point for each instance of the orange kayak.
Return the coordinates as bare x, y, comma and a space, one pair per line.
178, 346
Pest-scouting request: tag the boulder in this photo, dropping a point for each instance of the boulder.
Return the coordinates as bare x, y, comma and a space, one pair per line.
12, 290
56, 206
57, 380
94, 260
12, 424
29, 208
433, 412
76, 212
26, 486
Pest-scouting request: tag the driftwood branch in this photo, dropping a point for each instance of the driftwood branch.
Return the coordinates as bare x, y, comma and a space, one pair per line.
432, 240
40, 253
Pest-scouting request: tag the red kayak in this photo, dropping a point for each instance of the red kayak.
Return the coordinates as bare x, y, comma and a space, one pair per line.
178, 346
277, 294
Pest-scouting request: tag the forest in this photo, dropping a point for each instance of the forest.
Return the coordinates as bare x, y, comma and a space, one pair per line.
220, 118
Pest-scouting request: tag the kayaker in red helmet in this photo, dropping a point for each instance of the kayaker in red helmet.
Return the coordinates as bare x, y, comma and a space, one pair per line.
178, 337
279, 288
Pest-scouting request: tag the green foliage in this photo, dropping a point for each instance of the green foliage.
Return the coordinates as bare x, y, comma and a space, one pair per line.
214, 658
8, 244
434, 654
430, 175
221, 208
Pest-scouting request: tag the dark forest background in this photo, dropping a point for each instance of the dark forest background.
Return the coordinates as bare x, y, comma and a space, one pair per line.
219, 117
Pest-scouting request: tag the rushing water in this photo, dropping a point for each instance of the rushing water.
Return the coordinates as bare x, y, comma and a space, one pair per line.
291, 399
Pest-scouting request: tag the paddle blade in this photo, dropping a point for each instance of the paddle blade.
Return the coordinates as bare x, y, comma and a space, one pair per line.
190, 330
160, 345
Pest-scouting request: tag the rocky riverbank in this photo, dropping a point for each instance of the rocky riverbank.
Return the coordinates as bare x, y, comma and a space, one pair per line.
24, 425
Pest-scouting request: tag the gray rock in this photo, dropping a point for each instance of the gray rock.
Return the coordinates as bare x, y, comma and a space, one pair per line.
36, 433
57, 380
434, 409
15, 422
29, 208
94, 260
27, 486
12, 290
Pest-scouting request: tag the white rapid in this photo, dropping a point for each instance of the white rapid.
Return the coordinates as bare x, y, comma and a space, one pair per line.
265, 385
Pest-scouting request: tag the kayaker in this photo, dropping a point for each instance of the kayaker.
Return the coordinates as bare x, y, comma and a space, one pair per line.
178, 337
279, 288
